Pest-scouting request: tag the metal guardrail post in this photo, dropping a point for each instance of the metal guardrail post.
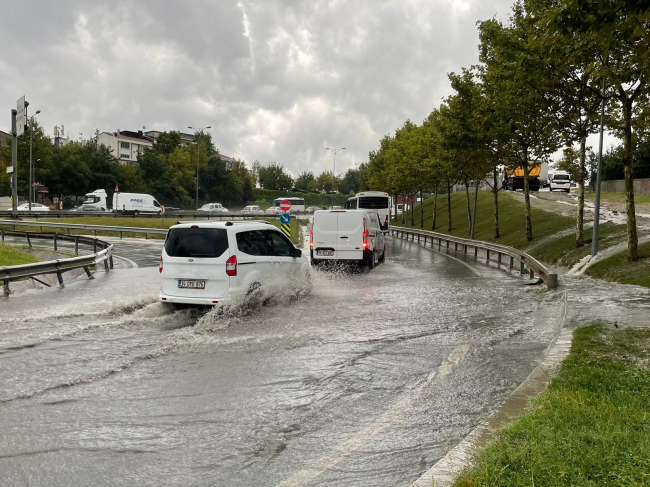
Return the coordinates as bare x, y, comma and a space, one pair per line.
88, 273
2, 232
521, 268
120, 235
475, 252
55, 246
29, 242
76, 246
488, 255
532, 273
94, 246
512, 262
59, 276
6, 287
111, 261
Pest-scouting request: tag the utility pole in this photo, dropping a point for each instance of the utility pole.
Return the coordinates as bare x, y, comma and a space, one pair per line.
14, 163
334, 151
198, 133
594, 238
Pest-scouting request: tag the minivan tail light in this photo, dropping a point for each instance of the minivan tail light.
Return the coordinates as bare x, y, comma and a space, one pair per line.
365, 235
160, 267
311, 235
231, 266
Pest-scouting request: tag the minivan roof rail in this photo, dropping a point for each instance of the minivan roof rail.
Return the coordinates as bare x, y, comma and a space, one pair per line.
229, 222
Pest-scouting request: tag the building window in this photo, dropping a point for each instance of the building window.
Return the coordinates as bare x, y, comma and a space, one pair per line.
125, 156
124, 145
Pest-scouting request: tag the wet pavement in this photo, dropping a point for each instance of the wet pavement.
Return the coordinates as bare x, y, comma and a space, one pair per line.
368, 380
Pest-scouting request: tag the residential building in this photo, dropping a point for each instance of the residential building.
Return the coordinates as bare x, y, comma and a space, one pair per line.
186, 139
4, 139
126, 145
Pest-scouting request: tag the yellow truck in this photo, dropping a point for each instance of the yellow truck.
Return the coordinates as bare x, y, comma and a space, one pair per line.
513, 179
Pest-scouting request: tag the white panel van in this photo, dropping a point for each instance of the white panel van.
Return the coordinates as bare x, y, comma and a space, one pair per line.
347, 235
135, 203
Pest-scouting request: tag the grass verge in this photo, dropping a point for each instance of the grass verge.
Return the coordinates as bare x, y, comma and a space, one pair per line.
619, 269
11, 256
512, 219
563, 250
617, 197
134, 222
591, 427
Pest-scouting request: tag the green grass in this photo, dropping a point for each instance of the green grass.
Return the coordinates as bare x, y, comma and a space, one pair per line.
512, 219
617, 197
591, 427
619, 269
11, 256
135, 222
564, 252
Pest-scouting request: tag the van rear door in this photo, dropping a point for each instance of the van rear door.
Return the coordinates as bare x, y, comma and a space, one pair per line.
350, 235
194, 263
325, 233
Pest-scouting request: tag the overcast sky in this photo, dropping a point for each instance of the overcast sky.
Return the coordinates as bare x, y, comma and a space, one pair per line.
278, 80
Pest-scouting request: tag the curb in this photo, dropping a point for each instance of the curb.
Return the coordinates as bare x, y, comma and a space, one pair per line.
445, 470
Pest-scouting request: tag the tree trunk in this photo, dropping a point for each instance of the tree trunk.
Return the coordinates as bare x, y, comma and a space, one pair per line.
395, 209
403, 210
495, 190
469, 211
529, 220
580, 222
413, 211
421, 210
632, 239
435, 207
449, 204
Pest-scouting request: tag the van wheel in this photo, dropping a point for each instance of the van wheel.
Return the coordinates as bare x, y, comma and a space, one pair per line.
382, 259
371, 260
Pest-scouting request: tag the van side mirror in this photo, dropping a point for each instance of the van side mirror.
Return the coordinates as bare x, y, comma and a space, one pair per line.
384, 226
297, 253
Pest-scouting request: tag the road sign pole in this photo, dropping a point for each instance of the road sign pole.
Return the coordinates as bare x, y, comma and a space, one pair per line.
14, 163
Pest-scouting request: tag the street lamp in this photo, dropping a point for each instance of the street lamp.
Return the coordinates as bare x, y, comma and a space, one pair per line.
31, 167
334, 151
198, 154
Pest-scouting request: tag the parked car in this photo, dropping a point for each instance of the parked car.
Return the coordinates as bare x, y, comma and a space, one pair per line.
252, 210
274, 210
35, 207
347, 235
214, 207
311, 209
88, 208
206, 263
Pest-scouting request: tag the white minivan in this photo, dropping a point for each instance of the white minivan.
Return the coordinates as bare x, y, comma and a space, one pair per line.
206, 263
560, 180
347, 235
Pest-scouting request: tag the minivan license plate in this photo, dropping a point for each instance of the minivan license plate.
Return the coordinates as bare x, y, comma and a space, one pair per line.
325, 252
191, 284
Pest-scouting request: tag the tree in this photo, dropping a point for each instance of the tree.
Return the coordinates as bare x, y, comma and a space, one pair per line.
532, 133
326, 182
617, 32
304, 180
350, 182
274, 176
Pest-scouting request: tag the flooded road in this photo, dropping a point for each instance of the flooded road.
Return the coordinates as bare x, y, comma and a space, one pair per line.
368, 380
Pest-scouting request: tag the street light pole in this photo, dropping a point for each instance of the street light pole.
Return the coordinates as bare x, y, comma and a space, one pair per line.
198, 155
334, 151
31, 167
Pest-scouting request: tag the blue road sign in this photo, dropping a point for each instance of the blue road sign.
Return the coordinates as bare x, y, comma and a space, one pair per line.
285, 218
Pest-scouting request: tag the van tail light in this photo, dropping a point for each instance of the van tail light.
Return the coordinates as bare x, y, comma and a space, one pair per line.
311, 235
231, 266
365, 235
160, 267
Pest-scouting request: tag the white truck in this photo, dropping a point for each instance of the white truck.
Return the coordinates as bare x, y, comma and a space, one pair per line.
97, 199
135, 203
354, 236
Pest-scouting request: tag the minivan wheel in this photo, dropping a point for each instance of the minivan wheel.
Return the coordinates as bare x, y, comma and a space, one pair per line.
382, 259
371, 260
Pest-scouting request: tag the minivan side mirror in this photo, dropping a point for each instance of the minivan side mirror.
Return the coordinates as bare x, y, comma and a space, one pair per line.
297, 253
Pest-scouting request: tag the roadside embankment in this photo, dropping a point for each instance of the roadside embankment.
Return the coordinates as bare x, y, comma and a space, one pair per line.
589, 428
553, 234
12, 256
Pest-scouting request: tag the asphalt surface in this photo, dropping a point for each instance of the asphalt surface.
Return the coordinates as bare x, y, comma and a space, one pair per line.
367, 380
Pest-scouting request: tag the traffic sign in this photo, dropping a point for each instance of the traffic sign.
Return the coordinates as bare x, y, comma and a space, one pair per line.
10, 169
286, 228
20, 116
285, 205
285, 219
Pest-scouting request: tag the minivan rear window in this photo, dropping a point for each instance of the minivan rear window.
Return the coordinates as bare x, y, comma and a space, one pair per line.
562, 177
196, 242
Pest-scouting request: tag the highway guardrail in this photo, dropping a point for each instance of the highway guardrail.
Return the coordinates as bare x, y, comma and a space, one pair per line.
76, 226
490, 251
59, 266
168, 214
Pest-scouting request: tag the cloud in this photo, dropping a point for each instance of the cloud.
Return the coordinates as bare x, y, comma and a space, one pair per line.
277, 80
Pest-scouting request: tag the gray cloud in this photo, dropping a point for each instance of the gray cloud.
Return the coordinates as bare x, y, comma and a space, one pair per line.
277, 80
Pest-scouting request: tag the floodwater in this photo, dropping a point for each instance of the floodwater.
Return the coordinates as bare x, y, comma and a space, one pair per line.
367, 380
